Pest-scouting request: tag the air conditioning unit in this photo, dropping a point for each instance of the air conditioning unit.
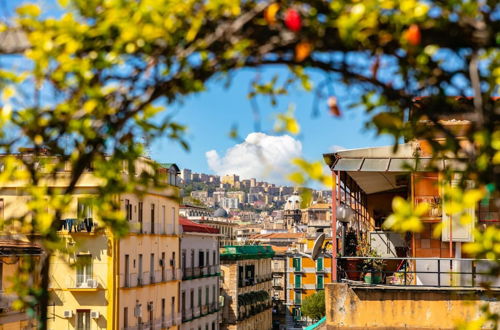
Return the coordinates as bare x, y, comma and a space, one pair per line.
91, 283
68, 314
94, 314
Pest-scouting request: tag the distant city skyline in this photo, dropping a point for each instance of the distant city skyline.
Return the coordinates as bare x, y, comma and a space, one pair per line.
211, 115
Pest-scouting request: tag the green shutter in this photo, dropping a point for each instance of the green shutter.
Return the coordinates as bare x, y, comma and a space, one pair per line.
319, 264
298, 281
296, 264
319, 281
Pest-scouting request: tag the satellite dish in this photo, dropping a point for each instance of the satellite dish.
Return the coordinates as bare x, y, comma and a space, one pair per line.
318, 244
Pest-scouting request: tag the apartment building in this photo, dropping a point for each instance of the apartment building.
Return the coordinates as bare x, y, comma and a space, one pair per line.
200, 282
230, 179
106, 282
305, 276
13, 252
246, 274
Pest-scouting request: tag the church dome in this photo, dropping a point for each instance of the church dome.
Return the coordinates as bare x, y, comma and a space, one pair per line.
293, 202
220, 213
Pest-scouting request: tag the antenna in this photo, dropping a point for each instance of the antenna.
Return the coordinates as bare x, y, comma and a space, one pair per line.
318, 244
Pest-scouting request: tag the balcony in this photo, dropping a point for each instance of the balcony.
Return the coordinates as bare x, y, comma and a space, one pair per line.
197, 272
187, 315
83, 283
74, 225
204, 309
158, 276
6, 301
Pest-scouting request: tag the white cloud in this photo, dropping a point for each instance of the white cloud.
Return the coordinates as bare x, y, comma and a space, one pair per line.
336, 148
260, 156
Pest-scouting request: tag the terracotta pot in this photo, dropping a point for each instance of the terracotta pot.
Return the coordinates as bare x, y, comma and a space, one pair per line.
352, 269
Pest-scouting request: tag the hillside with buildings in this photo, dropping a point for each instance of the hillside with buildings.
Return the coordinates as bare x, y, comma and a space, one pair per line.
237, 195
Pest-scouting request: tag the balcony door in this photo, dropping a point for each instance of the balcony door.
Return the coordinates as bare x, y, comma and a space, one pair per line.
83, 319
83, 270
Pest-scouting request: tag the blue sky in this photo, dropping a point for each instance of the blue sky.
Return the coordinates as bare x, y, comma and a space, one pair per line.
210, 116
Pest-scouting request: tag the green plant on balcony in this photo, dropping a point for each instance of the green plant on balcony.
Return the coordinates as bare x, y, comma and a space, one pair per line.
372, 267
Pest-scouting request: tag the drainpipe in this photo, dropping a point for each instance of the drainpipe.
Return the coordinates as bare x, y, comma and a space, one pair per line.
334, 228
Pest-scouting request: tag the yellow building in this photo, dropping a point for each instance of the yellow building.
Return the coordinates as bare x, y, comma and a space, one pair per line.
305, 276
230, 179
109, 283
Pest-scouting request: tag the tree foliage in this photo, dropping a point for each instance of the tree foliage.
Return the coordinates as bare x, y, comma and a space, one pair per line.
97, 76
314, 306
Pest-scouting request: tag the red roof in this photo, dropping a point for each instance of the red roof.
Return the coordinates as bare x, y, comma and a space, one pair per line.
191, 226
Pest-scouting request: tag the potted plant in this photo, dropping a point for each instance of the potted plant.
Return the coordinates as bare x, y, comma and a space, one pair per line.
351, 250
435, 211
372, 267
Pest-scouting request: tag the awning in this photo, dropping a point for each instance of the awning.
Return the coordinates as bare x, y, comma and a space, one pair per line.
383, 168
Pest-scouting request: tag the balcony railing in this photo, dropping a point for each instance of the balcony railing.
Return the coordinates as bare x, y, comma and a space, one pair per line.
82, 282
6, 300
159, 276
433, 272
144, 227
196, 272
187, 315
74, 225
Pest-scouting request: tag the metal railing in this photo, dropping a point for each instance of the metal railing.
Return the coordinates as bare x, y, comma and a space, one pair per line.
196, 272
159, 276
6, 300
82, 282
433, 272
75, 225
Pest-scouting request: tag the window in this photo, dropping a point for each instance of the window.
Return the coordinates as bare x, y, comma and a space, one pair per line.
183, 306
297, 314
125, 317
298, 298
319, 281
139, 275
214, 258
241, 276
192, 300
298, 281
172, 307
183, 261
207, 295
83, 319
164, 220
127, 270
151, 310
83, 271
84, 208
173, 219
152, 267
163, 266
201, 258
140, 216
199, 297
319, 264
214, 295
297, 264
128, 209
152, 218
163, 309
